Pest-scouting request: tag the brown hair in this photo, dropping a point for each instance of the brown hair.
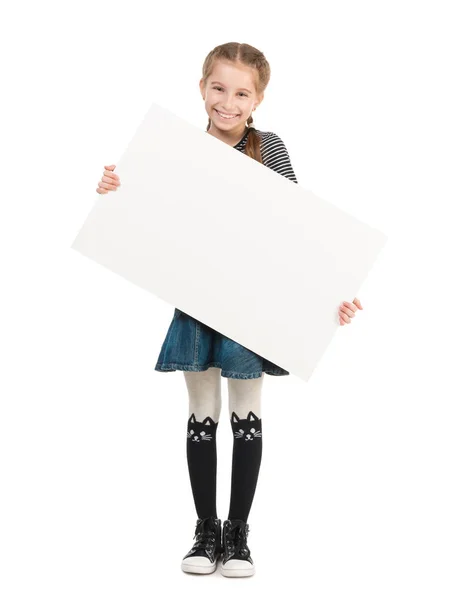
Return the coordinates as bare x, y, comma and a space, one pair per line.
251, 57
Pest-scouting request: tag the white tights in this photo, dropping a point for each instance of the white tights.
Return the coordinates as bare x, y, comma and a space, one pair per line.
204, 390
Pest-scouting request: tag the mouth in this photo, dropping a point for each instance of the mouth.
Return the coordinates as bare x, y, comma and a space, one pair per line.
225, 116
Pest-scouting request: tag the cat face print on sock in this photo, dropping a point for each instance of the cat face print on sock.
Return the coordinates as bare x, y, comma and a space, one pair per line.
247, 429
200, 431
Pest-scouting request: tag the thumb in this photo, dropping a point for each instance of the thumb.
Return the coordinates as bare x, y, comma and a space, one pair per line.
110, 167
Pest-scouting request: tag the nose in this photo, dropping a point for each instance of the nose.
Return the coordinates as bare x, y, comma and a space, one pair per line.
229, 103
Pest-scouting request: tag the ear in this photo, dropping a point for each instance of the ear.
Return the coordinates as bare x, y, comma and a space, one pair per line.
259, 100
234, 418
202, 88
192, 418
208, 421
252, 416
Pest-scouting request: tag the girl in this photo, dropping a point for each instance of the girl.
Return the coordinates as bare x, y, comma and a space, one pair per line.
234, 78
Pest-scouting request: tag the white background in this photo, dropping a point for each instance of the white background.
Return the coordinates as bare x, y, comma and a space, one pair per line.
361, 489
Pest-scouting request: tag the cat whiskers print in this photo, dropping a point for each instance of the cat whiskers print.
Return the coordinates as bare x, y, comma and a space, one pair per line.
200, 431
247, 429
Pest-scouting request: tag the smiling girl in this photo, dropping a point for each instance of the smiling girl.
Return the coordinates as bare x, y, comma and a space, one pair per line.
234, 78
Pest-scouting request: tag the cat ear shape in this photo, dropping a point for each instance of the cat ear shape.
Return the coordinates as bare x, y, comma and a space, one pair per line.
208, 421
252, 417
192, 418
234, 418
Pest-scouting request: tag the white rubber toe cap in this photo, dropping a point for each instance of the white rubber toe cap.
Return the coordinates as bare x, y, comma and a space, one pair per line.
197, 564
237, 568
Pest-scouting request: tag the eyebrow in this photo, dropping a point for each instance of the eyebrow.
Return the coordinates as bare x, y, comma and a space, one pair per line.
225, 86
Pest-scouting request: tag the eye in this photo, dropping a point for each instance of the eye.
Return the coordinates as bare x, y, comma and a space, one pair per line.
217, 87
252, 430
202, 433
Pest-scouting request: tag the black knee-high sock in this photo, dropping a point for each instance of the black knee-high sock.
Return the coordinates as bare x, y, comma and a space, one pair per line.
247, 455
201, 459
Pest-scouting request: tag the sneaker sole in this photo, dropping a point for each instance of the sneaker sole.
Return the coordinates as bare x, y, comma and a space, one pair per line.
201, 569
206, 570
237, 572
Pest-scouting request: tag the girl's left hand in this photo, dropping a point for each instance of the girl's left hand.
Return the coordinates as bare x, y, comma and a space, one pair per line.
347, 310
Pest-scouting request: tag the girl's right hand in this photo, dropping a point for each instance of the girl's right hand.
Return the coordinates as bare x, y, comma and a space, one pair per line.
109, 182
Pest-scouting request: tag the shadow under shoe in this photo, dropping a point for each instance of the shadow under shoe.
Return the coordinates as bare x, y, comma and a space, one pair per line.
236, 561
203, 555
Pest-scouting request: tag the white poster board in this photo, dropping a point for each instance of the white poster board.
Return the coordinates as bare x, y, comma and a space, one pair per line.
230, 242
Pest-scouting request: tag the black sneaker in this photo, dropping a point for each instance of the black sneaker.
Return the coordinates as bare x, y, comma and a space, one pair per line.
237, 561
206, 550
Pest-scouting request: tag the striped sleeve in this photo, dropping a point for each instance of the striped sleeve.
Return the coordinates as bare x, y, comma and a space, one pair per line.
275, 155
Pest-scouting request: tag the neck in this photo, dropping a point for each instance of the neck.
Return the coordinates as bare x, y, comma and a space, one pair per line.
229, 137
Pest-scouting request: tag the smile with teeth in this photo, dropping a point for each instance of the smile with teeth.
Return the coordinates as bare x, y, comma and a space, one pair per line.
225, 116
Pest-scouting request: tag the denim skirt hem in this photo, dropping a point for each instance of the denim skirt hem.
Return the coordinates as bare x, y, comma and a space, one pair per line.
190, 345
168, 367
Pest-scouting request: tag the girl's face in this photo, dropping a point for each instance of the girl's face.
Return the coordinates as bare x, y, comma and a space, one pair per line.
230, 96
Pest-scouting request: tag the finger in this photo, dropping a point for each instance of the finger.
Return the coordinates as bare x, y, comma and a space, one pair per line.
350, 305
110, 167
111, 175
109, 180
341, 321
107, 186
357, 303
347, 311
344, 316
101, 190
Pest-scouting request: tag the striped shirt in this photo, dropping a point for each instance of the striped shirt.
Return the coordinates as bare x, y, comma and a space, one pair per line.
274, 153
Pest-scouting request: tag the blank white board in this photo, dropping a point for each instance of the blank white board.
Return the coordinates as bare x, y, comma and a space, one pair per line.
229, 241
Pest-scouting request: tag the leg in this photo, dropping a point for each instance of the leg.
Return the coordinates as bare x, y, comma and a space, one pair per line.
245, 410
204, 389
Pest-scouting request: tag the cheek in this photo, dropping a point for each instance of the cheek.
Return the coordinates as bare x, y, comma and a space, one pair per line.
212, 99
246, 105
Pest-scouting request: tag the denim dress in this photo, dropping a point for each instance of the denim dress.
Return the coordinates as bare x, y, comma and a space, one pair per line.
190, 345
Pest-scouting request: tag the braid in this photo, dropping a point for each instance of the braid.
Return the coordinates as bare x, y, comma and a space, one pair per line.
252, 147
